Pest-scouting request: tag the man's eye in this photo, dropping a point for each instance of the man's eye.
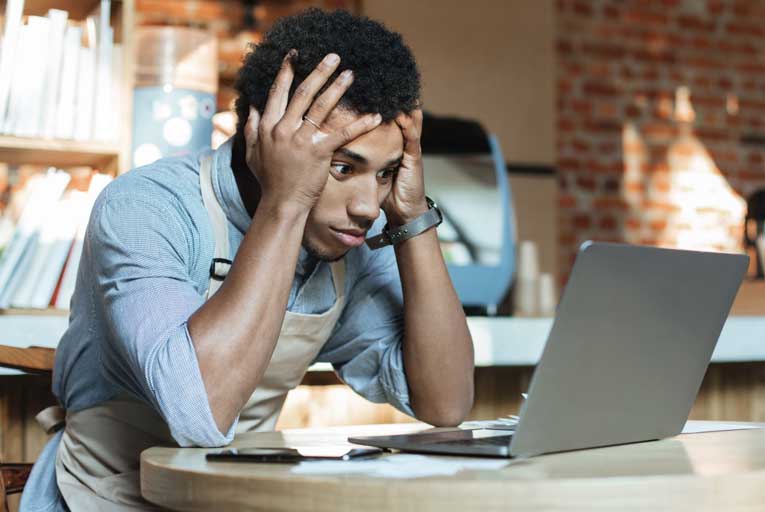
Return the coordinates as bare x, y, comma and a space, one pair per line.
341, 170
387, 174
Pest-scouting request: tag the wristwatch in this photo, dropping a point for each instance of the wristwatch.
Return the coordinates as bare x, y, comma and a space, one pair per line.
424, 222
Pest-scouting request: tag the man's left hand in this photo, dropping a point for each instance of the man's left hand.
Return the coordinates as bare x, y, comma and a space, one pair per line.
406, 200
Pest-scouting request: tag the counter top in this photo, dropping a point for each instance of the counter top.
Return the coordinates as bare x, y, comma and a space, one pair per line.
499, 341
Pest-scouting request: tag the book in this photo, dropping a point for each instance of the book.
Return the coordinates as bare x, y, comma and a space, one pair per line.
65, 108
14, 261
48, 253
83, 122
115, 110
27, 99
51, 85
103, 89
13, 11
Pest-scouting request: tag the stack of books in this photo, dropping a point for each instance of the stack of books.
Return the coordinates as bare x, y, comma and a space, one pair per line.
59, 78
41, 239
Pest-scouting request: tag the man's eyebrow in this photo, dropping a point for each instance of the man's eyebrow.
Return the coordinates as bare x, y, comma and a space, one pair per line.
353, 155
361, 159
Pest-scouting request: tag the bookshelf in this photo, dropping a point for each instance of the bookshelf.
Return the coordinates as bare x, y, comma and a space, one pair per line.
109, 157
59, 153
112, 157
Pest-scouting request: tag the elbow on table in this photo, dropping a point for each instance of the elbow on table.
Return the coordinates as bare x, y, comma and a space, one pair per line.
448, 414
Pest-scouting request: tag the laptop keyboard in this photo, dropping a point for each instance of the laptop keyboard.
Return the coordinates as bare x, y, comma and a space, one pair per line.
481, 441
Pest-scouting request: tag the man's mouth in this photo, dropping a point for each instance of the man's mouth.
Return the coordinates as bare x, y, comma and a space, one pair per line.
350, 237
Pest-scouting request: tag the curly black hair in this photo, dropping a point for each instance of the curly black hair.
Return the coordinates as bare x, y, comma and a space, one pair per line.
386, 79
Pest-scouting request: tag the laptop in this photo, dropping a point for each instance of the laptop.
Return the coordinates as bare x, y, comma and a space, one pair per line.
631, 342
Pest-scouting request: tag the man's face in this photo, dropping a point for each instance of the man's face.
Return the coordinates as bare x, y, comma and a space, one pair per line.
360, 178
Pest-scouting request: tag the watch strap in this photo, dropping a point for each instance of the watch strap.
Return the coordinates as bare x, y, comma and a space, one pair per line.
409, 230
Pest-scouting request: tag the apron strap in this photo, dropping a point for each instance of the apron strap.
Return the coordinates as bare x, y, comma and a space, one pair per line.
51, 419
338, 278
221, 262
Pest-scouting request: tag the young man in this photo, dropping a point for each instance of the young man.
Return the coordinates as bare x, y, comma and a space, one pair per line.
161, 349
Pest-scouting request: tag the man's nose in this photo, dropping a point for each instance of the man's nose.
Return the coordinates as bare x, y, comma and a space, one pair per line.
364, 207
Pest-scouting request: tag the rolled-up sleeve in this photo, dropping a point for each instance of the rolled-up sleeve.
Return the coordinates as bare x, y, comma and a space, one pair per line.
366, 346
140, 252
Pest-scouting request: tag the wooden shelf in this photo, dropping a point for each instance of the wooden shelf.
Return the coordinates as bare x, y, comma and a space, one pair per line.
77, 9
58, 153
33, 312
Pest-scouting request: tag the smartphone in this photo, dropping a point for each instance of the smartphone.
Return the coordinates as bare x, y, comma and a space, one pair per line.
291, 454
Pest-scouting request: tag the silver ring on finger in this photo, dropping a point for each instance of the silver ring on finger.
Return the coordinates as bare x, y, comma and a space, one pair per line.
311, 122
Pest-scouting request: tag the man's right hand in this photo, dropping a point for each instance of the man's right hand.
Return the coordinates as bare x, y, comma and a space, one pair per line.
290, 157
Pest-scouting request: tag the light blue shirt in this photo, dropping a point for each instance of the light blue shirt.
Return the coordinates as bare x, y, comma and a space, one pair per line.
145, 270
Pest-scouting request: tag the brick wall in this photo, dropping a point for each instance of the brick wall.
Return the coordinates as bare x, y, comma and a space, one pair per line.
660, 107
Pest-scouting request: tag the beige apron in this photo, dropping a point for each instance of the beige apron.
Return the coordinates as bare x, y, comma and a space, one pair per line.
97, 464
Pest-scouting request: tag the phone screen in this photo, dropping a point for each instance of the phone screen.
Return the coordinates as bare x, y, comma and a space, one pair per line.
292, 454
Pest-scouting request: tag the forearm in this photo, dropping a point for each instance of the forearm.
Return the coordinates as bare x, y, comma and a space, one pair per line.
235, 332
438, 349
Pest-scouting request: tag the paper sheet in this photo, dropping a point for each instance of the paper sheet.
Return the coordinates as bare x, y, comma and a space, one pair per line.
697, 427
401, 465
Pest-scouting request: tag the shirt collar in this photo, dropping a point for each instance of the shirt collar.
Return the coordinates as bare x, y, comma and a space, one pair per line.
227, 193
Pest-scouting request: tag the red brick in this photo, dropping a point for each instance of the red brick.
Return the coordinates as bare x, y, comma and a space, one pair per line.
750, 29
709, 134
702, 43
604, 50
595, 88
583, 9
611, 185
610, 12
608, 223
658, 225
633, 224
661, 56
659, 131
587, 183
645, 17
569, 164
632, 111
651, 74
695, 23
580, 106
752, 176
600, 126
566, 201
750, 104
580, 145
609, 203
609, 147
565, 125
565, 47
715, 7
582, 221
656, 205
752, 67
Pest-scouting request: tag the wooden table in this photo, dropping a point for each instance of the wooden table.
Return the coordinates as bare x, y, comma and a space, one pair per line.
711, 471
